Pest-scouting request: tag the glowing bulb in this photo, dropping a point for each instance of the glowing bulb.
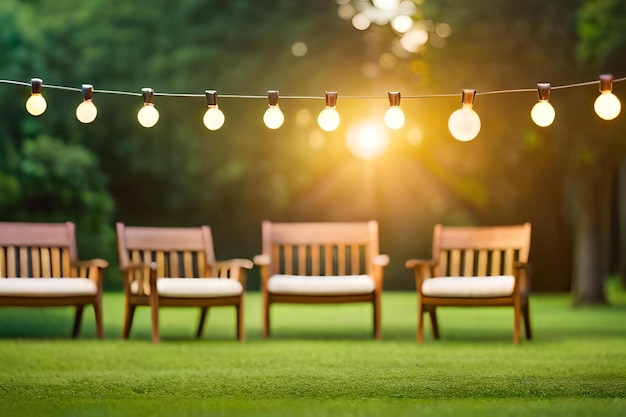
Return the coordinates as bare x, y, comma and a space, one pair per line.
213, 118
148, 115
273, 117
464, 124
86, 112
36, 104
394, 118
607, 106
543, 113
328, 118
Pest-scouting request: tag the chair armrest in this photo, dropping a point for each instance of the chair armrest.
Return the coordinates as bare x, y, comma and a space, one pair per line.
230, 268
423, 268
261, 260
88, 263
89, 268
381, 260
137, 272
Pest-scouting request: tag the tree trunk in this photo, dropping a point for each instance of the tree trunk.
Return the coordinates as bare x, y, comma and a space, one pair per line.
590, 208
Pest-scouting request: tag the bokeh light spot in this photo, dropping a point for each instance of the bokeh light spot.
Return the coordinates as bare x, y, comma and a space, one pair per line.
360, 21
367, 140
299, 49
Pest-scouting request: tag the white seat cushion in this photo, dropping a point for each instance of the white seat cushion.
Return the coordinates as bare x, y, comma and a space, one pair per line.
195, 287
468, 287
320, 285
47, 287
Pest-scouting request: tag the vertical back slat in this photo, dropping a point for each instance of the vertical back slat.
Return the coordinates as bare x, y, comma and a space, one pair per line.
496, 258
187, 264
443, 263
65, 262
55, 258
468, 263
23, 256
161, 263
455, 262
201, 263
3, 263
315, 260
288, 254
355, 260
301, 259
46, 270
174, 264
341, 259
276, 256
482, 263
509, 258
35, 262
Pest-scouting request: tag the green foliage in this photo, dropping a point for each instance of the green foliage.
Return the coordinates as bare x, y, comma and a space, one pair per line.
602, 31
320, 361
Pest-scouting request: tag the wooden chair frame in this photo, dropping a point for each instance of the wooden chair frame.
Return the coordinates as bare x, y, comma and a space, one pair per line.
330, 248
48, 250
477, 251
148, 253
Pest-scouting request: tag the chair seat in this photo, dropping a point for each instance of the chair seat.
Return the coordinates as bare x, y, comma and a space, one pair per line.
320, 285
469, 287
47, 287
195, 287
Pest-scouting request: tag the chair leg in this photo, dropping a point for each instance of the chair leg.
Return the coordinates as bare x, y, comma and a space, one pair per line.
516, 321
203, 314
97, 309
129, 313
376, 308
434, 324
78, 318
420, 323
526, 315
266, 316
154, 314
241, 335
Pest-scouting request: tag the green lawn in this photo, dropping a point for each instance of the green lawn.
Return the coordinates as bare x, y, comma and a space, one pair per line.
321, 360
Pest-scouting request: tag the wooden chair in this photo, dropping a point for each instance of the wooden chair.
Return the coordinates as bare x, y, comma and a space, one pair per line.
321, 263
39, 267
475, 266
176, 267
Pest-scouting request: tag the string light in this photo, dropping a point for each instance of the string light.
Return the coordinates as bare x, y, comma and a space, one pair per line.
328, 118
213, 118
542, 112
607, 106
36, 104
86, 111
394, 117
273, 117
464, 123
148, 115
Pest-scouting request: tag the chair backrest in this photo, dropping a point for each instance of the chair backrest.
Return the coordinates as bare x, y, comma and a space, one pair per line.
182, 252
480, 251
35, 250
331, 248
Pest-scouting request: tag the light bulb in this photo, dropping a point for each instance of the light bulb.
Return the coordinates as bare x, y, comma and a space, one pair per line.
36, 104
464, 123
607, 106
543, 113
329, 119
394, 118
148, 115
213, 118
273, 117
86, 112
